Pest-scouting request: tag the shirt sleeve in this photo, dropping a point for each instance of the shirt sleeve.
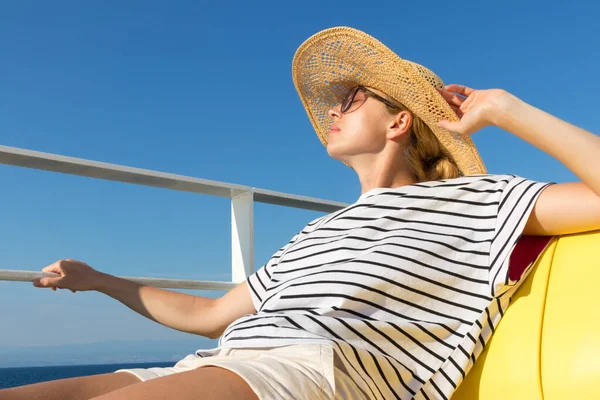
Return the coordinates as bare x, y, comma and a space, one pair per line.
261, 281
517, 199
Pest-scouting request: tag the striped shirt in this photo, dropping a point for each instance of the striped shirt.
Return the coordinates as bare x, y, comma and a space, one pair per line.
407, 284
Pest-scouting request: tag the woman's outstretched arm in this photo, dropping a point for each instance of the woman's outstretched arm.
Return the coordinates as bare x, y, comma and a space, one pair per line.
184, 312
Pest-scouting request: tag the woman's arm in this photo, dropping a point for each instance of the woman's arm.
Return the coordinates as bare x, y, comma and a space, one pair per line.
184, 312
576, 148
562, 208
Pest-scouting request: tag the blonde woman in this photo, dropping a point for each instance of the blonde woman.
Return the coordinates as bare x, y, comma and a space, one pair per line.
393, 297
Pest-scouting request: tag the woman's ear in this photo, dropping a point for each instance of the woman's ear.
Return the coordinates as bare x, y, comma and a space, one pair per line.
399, 124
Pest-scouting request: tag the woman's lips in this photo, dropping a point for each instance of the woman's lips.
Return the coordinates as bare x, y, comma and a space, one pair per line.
333, 129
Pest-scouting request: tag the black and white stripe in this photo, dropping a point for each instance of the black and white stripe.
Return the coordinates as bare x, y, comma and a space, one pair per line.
406, 284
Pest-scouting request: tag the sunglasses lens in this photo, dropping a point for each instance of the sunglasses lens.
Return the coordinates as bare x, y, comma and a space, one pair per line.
347, 102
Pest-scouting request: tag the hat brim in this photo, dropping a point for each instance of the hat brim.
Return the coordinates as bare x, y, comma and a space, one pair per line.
332, 61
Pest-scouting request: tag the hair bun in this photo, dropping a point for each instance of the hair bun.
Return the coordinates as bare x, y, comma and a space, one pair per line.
442, 168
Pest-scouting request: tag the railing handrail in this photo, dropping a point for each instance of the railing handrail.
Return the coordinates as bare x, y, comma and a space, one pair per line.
138, 176
242, 200
28, 276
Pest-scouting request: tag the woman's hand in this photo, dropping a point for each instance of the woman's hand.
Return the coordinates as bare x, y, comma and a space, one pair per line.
73, 275
475, 108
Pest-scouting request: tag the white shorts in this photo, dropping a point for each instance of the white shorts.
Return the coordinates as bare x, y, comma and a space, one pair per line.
303, 371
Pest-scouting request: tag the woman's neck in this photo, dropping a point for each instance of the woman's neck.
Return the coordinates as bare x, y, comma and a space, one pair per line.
382, 174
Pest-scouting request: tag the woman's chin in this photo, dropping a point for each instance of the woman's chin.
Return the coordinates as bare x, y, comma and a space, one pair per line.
335, 153
341, 153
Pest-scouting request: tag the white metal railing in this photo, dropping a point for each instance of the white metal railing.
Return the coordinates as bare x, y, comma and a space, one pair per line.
242, 206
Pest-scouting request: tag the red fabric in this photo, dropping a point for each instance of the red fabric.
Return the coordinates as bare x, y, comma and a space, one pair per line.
526, 251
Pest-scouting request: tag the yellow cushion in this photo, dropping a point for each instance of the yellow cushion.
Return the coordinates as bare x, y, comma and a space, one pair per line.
570, 363
547, 346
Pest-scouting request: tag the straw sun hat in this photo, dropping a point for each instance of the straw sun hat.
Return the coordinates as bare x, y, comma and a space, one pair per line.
333, 61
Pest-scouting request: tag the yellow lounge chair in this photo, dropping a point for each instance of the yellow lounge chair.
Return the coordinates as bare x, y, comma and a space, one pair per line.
547, 346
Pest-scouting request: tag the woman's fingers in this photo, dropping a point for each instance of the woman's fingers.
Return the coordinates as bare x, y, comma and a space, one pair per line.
53, 268
460, 89
50, 281
451, 98
452, 94
46, 282
449, 126
471, 101
453, 101
457, 110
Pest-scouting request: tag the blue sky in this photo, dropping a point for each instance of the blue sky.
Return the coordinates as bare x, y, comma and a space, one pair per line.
204, 89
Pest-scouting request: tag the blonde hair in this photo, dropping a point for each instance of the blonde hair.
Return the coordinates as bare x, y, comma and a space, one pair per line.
425, 155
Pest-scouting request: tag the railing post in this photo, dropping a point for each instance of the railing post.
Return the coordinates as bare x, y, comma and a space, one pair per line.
242, 235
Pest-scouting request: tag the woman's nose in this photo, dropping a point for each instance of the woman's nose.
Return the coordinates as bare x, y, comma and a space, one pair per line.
334, 112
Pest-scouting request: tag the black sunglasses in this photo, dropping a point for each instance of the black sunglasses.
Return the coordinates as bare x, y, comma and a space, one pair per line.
349, 105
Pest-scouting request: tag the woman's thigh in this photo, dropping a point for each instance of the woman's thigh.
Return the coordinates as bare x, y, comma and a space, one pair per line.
206, 383
84, 387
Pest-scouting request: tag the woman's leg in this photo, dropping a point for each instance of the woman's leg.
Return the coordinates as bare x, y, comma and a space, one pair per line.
206, 383
84, 387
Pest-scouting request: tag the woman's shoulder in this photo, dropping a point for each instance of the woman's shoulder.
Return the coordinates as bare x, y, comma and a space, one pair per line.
470, 180
482, 186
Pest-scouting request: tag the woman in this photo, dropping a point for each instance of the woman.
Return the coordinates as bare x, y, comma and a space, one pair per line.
394, 296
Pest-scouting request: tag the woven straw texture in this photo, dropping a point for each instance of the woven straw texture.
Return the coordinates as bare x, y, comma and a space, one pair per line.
333, 61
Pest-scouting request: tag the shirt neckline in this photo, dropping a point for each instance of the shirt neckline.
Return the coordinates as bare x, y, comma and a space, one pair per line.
373, 192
